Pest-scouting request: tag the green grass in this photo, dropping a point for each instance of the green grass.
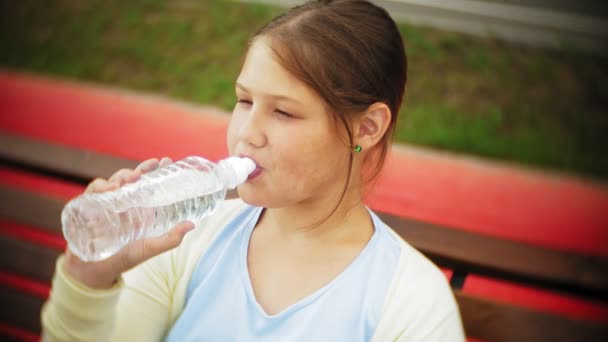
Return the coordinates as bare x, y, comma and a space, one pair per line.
465, 94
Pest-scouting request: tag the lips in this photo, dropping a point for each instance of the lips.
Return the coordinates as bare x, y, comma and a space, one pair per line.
254, 174
258, 169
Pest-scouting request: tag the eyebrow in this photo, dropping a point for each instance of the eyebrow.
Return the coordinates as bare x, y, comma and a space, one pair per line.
278, 97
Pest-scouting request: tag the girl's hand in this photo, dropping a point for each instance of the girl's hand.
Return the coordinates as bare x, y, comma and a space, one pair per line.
103, 274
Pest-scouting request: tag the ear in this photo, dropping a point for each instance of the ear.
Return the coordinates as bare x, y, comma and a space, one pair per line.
371, 126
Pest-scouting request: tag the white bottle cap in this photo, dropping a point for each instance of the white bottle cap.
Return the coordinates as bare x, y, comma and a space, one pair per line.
242, 168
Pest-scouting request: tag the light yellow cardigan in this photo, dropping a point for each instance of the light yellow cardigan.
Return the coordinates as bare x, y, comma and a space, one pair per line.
149, 298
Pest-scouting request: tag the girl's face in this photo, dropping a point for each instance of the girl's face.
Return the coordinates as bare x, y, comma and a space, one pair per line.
284, 126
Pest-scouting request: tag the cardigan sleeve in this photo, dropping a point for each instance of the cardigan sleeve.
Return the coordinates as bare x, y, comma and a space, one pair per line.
420, 305
135, 310
145, 302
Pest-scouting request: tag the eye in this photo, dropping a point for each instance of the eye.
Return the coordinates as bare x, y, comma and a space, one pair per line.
283, 113
244, 101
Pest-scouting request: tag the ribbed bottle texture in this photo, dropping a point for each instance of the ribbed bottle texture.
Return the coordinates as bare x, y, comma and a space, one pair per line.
98, 225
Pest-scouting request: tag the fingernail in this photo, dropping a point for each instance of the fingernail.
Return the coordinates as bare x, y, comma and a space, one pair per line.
165, 161
189, 226
150, 165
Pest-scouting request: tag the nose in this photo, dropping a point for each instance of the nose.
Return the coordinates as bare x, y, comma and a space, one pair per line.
252, 129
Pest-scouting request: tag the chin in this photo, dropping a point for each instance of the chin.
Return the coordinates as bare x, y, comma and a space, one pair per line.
250, 196
258, 198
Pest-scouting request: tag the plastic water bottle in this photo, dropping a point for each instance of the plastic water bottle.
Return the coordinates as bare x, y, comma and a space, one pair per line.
98, 225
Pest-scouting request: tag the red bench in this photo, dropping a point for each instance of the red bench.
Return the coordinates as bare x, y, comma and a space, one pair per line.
56, 136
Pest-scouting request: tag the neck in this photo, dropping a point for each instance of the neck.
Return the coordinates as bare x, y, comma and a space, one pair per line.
319, 220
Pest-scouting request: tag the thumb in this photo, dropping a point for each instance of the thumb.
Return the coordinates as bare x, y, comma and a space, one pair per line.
142, 250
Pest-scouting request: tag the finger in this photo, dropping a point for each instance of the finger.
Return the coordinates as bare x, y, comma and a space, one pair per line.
147, 166
141, 250
100, 185
165, 161
124, 176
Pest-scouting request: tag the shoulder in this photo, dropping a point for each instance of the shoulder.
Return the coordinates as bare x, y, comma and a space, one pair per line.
420, 304
413, 269
417, 278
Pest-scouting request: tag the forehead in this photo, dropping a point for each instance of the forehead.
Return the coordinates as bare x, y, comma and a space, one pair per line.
263, 74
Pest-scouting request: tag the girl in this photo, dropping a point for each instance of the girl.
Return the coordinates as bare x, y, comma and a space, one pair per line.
298, 257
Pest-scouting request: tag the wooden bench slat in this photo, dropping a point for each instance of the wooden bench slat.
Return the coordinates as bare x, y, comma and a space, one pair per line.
31, 208
67, 161
486, 319
516, 261
20, 309
8, 338
60, 161
26, 259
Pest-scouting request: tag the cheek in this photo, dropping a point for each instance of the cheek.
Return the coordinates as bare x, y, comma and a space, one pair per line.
232, 132
310, 162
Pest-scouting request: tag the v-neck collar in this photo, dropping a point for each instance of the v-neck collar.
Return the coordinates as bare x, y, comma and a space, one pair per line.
246, 278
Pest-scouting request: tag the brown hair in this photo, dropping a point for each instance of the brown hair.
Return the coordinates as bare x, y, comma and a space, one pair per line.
351, 53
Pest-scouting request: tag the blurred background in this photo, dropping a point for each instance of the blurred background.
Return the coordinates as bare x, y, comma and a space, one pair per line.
519, 80
519, 85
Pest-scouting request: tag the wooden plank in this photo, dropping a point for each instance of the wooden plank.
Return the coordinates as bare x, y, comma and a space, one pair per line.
493, 321
63, 161
35, 209
9, 338
10, 333
20, 309
469, 252
60, 161
26, 259
31, 208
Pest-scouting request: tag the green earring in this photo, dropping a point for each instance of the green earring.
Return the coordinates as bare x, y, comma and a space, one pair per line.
358, 148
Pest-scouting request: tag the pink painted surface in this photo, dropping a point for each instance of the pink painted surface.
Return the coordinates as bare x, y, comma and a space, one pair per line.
18, 334
36, 183
560, 212
36, 288
105, 121
554, 211
535, 298
32, 234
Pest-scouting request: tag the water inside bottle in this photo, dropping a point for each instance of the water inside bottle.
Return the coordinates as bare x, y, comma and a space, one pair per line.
152, 214
156, 220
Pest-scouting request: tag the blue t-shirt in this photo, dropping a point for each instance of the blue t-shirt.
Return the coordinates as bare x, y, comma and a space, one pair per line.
221, 306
